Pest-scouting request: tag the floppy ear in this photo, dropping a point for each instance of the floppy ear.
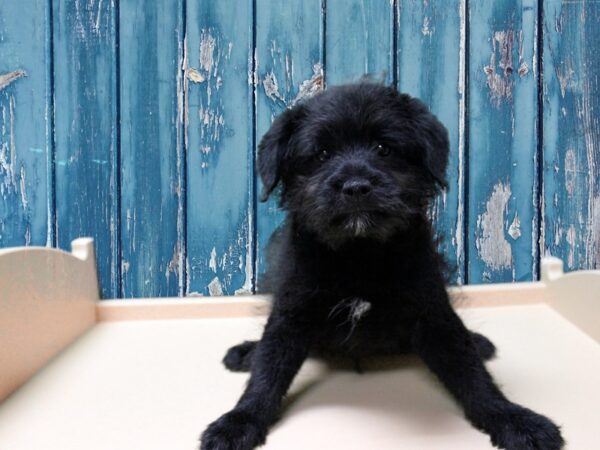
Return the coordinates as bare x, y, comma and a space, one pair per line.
433, 137
273, 147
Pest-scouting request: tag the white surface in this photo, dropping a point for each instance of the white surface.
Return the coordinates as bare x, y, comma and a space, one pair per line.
157, 384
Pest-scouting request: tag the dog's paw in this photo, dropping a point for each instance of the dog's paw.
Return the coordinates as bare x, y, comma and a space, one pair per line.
522, 429
235, 430
239, 357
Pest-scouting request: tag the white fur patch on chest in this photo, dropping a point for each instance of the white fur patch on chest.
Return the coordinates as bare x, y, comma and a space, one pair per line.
354, 308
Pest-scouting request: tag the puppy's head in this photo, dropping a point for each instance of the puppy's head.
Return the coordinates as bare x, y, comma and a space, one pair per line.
355, 161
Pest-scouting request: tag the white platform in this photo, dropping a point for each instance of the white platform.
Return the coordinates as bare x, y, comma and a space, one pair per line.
156, 384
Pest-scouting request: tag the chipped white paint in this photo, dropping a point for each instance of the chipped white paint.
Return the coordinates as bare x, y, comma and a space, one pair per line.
173, 265
8, 153
312, 86
271, 87
564, 79
492, 246
425, 28
572, 241
500, 83
212, 264
8, 78
570, 171
207, 50
215, 288
23, 190
515, 228
194, 75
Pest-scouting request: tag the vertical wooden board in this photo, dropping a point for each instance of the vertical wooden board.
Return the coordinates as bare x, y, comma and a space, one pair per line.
151, 48
359, 40
289, 67
572, 132
25, 124
502, 187
219, 147
431, 56
87, 186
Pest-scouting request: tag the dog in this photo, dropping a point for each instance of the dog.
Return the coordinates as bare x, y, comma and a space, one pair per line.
357, 270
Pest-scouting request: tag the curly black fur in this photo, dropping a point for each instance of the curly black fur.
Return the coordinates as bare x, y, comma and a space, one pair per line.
357, 270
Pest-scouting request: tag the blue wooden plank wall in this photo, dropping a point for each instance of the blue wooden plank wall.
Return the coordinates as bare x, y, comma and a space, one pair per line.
137, 123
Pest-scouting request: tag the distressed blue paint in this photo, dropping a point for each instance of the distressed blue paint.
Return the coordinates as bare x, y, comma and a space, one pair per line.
86, 117
151, 49
289, 65
502, 136
430, 52
142, 185
219, 147
25, 135
572, 132
359, 40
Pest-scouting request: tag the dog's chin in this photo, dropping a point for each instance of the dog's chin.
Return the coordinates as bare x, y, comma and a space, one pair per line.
346, 228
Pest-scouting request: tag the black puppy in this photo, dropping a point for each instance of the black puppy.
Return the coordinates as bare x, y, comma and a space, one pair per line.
358, 272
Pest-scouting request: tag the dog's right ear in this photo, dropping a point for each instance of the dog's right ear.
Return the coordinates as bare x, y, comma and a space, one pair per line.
273, 148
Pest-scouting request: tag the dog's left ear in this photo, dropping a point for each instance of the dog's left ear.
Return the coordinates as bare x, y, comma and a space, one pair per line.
433, 137
273, 148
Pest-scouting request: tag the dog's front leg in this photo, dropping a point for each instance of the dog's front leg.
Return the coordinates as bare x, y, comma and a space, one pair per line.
279, 354
443, 342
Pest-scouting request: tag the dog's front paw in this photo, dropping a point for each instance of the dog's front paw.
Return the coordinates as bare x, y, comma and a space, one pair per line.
235, 430
522, 429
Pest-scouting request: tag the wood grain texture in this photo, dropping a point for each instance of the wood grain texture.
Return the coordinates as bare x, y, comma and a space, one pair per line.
431, 57
359, 40
572, 132
151, 52
87, 181
289, 67
218, 114
25, 124
502, 175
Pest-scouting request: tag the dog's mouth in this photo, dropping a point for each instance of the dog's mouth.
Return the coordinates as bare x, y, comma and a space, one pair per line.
357, 222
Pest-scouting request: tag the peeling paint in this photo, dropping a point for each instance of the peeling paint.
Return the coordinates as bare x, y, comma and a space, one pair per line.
207, 49
572, 240
515, 228
23, 190
570, 171
312, 86
271, 87
194, 76
425, 28
500, 84
215, 288
491, 243
213, 260
8, 78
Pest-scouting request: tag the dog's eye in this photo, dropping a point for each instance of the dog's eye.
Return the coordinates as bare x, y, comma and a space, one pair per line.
382, 150
323, 155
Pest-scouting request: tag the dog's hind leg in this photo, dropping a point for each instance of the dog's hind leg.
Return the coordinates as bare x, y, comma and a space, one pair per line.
484, 346
239, 357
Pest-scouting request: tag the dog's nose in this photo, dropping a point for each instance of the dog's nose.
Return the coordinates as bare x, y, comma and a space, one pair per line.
356, 187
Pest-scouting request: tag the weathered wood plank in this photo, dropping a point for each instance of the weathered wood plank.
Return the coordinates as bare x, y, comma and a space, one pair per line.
359, 40
289, 67
151, 51
431, 57
87, 182
26, 205
219, 147
572, 132
502, 187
